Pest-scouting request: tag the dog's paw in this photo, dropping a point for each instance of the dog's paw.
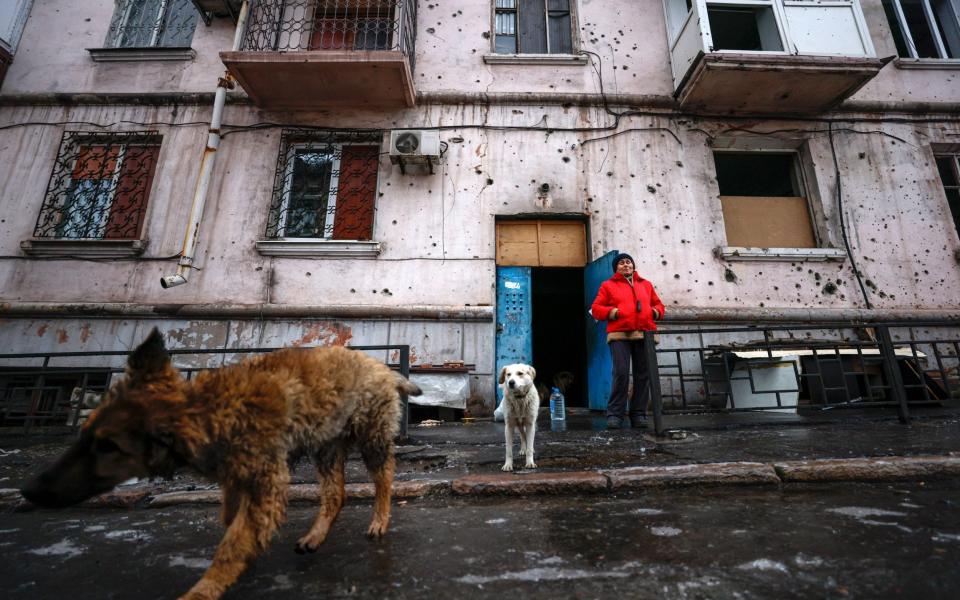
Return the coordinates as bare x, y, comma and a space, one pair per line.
507, 467
522, 451
377, 529
530, 465
309, 543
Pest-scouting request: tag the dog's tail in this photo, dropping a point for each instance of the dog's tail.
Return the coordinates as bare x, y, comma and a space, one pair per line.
407, 387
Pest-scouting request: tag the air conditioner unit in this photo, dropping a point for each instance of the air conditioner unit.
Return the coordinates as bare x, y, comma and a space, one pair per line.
414, 146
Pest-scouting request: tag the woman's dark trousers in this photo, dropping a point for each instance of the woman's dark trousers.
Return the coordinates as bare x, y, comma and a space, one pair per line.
625, 352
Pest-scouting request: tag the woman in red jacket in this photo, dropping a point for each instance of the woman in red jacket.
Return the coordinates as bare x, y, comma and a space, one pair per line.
630, 306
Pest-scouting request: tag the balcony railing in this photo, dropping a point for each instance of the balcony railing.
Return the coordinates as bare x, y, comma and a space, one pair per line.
354, 52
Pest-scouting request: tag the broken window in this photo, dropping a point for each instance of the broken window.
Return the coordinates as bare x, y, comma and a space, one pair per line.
744, 27
949, 167
533, 27
326, 186
763, 200
152, 23
99, 186
925, 28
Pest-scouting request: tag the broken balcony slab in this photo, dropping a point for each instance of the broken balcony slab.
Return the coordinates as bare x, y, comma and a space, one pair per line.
773, 84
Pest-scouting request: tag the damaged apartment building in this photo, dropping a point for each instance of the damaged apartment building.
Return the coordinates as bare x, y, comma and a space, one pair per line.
453, 176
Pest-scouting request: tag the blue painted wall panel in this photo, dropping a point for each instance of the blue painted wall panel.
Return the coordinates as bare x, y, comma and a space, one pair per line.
514, 318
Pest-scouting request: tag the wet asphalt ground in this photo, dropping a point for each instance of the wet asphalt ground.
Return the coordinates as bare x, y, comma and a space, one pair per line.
874, 540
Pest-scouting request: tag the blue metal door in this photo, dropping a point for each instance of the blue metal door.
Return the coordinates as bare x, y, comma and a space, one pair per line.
599, 364
514, 319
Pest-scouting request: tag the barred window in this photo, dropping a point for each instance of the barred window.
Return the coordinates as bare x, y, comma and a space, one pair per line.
326, 186
152, 24
99, 186
285, 25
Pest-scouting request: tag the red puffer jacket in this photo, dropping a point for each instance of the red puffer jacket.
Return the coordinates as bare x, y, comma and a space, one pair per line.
618, 293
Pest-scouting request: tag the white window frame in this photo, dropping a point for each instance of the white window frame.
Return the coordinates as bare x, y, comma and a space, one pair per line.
573, 58
332, 190
931, 23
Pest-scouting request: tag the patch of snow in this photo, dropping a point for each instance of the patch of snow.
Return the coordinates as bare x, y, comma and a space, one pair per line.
886, 524
191, 563
128, 535
646, 511
540, 574
62, 548
764, 564
946, 537
93, 528
910, 505
802, 560
2, 531
860, 512
495, 521
665, 531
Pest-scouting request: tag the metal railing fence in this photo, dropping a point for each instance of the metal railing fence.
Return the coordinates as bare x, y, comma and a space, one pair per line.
44, 391
798, 369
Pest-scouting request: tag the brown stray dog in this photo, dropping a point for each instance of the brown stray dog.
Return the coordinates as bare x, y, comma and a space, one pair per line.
239, 425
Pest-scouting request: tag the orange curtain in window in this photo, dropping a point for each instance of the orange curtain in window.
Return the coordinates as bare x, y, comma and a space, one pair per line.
96, 162
356, 193
130, 197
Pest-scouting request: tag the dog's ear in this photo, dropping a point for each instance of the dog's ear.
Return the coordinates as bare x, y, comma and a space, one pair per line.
503, 374
150, 356
533, 373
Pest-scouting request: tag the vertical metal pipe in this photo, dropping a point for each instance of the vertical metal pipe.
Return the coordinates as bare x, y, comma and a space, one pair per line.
207, 162
653, 372
892, 371
404, 400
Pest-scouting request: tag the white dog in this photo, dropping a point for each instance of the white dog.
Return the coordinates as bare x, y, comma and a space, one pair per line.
520, 406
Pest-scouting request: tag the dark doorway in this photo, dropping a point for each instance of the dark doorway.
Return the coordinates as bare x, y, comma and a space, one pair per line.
559, 329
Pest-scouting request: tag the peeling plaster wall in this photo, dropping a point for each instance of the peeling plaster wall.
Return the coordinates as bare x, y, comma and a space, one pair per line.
650, 189
650, 192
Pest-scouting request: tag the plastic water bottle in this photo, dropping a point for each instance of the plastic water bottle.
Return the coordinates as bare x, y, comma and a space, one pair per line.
558, 410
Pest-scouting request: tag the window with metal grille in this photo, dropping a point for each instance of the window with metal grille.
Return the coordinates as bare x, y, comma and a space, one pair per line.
326, 186
291, 25
925, 28
533, 27
152, 24
99, 186
949, 167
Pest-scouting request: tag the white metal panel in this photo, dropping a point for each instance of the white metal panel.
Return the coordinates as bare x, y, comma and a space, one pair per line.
827, 28
693, 39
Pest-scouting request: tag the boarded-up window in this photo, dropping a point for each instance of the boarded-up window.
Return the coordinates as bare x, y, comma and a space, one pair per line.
532, 27
763, 201
99, 187
541, 244
326, 186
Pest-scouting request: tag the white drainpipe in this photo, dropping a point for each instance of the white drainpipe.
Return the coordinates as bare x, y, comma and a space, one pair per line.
206, 166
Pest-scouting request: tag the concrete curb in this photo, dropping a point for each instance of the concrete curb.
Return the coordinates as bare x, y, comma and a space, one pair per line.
890, 468
741, 473
882, 468
578, 482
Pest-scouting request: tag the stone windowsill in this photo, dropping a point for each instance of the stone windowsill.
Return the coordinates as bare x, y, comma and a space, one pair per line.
535, 59
927, 63
741, 253
140, 54
89, 248
319, 248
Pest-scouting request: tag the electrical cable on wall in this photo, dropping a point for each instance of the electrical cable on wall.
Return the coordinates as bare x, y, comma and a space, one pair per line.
843, 227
